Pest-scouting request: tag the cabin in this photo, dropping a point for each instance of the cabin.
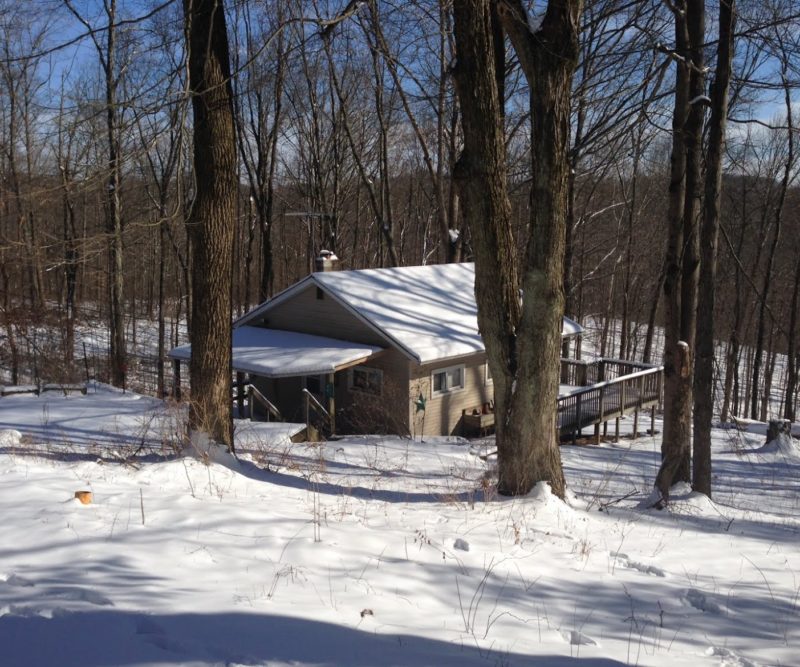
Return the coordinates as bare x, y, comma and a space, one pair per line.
393, 350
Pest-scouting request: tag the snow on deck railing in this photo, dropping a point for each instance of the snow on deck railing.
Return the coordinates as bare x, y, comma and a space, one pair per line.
580, 373
610, 399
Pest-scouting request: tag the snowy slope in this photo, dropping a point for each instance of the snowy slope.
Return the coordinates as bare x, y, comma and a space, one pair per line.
377, 551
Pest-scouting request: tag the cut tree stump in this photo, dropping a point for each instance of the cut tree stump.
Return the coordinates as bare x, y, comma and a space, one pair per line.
84, 496
777, 428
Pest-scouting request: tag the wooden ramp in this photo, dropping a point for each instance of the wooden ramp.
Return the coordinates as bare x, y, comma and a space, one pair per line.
606, 389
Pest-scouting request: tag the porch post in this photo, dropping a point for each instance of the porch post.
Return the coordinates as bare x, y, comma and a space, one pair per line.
240, 394
331, 393
176, 379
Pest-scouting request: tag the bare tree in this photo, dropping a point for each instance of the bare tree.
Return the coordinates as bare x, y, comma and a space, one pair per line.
376, 182
107, 55
786, 178
704, 362
522, 335
682, 258
20, 80
437, 159
259, 117
211, 219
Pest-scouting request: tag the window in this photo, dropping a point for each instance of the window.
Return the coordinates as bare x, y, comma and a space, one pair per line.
447, 379
367, 380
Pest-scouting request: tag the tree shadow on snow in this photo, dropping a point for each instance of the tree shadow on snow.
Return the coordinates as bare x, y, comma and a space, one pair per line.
119, 639
306, 483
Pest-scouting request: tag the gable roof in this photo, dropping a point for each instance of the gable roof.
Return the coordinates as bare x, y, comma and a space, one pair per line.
427, 312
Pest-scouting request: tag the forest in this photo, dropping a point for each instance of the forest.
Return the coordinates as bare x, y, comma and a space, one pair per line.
348, 133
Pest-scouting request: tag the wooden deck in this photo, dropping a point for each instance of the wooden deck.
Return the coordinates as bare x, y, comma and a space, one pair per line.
593, 393
599, 391
606, 389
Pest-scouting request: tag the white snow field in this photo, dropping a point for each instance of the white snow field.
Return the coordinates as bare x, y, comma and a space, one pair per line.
378, 551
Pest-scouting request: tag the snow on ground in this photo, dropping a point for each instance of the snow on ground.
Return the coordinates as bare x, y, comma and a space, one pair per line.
377, 551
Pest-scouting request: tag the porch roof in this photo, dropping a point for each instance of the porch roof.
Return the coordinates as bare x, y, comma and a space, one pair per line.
275, 353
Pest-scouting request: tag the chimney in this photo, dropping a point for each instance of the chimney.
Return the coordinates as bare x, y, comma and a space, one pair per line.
327, 261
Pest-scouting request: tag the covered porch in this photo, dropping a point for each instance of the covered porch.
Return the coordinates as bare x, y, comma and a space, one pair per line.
289, 376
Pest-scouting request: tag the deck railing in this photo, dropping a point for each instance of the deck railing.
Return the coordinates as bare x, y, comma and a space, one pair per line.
613, 388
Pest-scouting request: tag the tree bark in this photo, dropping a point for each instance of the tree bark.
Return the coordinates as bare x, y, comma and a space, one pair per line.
522, 336
481, 176
680, 263
704, 359
119, 355
784, 188
791, 351
674, 458
211, 220
548, 57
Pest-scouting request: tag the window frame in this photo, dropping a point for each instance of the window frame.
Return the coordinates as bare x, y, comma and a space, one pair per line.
448, 388
352, 386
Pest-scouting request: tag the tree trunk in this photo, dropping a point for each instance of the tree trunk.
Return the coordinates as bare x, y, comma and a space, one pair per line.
548, 58
791, 351
730, 401
522, 337
211, 220
268, 217
608, 315
651, 319
119, 363
769, 370
481, 175
161, 389
680, 263
704, 360
784, 188
675, 457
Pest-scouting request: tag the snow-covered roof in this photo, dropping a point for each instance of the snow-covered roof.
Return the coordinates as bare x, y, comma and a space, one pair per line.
274, 353
428, 312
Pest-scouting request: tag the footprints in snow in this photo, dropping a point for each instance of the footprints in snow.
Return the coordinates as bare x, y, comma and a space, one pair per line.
577, 638
43, 600
729, 658
702, 602
694, 597
644, 568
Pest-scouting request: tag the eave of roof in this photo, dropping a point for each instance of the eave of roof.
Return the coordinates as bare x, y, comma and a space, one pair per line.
275, 353
458, 326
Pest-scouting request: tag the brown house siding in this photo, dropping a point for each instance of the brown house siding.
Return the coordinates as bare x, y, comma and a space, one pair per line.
389, 411
390, 408
443, 411
320, 317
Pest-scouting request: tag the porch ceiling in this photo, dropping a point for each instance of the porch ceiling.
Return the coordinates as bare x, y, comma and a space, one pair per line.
275, 353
